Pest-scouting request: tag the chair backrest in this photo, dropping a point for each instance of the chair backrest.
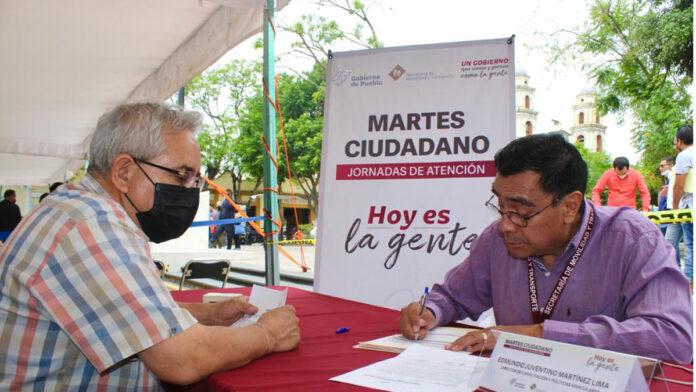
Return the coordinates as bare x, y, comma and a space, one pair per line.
160, 267
210, 269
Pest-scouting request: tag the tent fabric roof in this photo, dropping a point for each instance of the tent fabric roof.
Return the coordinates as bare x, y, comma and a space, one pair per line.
64, 63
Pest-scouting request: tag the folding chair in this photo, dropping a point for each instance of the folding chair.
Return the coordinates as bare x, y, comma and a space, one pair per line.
210, 269
160, 267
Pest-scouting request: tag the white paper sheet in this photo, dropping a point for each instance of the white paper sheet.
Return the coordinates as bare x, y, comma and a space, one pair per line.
438, 337
265, 299
421, 368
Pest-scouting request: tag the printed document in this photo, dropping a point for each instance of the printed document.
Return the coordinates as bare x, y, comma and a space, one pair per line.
421, 368
437, 337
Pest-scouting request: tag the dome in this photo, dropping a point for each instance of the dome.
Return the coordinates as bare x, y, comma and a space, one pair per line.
588, 90
520, 71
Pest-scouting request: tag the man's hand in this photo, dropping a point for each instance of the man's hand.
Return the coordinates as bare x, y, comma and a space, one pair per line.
281, 328
221, 313
227, 312
663, 191
414, 325
482, 340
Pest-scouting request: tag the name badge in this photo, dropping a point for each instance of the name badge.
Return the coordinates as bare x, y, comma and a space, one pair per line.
523, 363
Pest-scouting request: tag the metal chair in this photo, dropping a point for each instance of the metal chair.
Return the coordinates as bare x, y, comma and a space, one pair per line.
209, 268
161, 268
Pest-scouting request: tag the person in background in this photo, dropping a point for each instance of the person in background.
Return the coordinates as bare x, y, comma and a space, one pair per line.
212, 215
559, 267
51, 188
623, 182
683, 190
238, 232
10, 214
672, 231
227, 211
664, 168
54, 186
83, 306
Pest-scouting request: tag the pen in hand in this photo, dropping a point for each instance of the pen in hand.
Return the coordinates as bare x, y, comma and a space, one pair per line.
422, 305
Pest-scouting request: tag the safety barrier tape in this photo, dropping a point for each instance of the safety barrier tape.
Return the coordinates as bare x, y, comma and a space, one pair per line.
312, 241
670, 216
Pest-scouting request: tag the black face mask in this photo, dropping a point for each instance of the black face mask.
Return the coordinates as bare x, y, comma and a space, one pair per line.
172, 212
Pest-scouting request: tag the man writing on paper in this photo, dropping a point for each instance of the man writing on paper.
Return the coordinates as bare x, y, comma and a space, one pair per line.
81, 304
559, 267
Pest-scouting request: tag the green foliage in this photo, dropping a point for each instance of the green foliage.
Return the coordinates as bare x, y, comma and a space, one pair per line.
306, 228
641, 59
597, 164
221, 94
215, 150
316, 34
233, 99
301, 101
653, 180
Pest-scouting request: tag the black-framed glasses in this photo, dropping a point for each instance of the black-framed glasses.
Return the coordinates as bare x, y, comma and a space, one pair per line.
187, 177
517, 218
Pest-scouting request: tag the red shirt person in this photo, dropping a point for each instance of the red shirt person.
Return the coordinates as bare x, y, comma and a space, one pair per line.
623, 182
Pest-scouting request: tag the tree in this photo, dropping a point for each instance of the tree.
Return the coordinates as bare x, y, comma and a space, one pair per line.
597, 164
642, 60
305, 129
316, 34
302, 97
221, 93
301, 101
250, 149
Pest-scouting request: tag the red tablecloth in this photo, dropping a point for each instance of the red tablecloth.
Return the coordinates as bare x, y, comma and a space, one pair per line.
322, 353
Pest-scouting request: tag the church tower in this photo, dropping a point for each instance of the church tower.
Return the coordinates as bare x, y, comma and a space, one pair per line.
587, 126
525, 114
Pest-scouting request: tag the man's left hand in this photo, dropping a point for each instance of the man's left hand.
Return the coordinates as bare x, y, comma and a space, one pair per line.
227, 312
484, 339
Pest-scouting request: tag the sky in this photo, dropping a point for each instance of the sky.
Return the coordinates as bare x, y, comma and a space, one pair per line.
411, 22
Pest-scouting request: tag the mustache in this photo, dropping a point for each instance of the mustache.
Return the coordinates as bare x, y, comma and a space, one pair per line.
512, 238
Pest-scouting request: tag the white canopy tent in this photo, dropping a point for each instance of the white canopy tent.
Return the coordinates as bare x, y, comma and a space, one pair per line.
64, 63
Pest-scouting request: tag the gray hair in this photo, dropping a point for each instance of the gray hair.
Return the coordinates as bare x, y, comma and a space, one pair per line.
136, 129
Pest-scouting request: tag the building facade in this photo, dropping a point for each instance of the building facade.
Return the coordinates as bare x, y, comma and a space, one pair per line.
587, 127
526, 115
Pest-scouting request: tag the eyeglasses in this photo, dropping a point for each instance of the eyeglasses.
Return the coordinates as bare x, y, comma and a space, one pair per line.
517, 218
187, 177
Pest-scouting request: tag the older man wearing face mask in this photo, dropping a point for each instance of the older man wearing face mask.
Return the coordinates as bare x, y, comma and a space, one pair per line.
81, 304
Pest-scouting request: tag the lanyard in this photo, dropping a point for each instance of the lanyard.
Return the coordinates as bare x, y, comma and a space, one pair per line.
539, 315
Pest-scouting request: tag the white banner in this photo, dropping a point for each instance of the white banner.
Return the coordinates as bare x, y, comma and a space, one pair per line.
407, 164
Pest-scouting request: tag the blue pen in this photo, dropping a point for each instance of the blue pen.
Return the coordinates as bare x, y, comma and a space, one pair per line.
343, 330
422, 300
422, 304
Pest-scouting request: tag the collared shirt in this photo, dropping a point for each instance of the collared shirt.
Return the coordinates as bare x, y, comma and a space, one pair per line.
80, 297
670, 189
626, 293
622, 191
683, 165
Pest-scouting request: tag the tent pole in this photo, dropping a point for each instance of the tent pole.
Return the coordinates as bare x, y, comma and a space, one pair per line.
270, 173
181, 96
